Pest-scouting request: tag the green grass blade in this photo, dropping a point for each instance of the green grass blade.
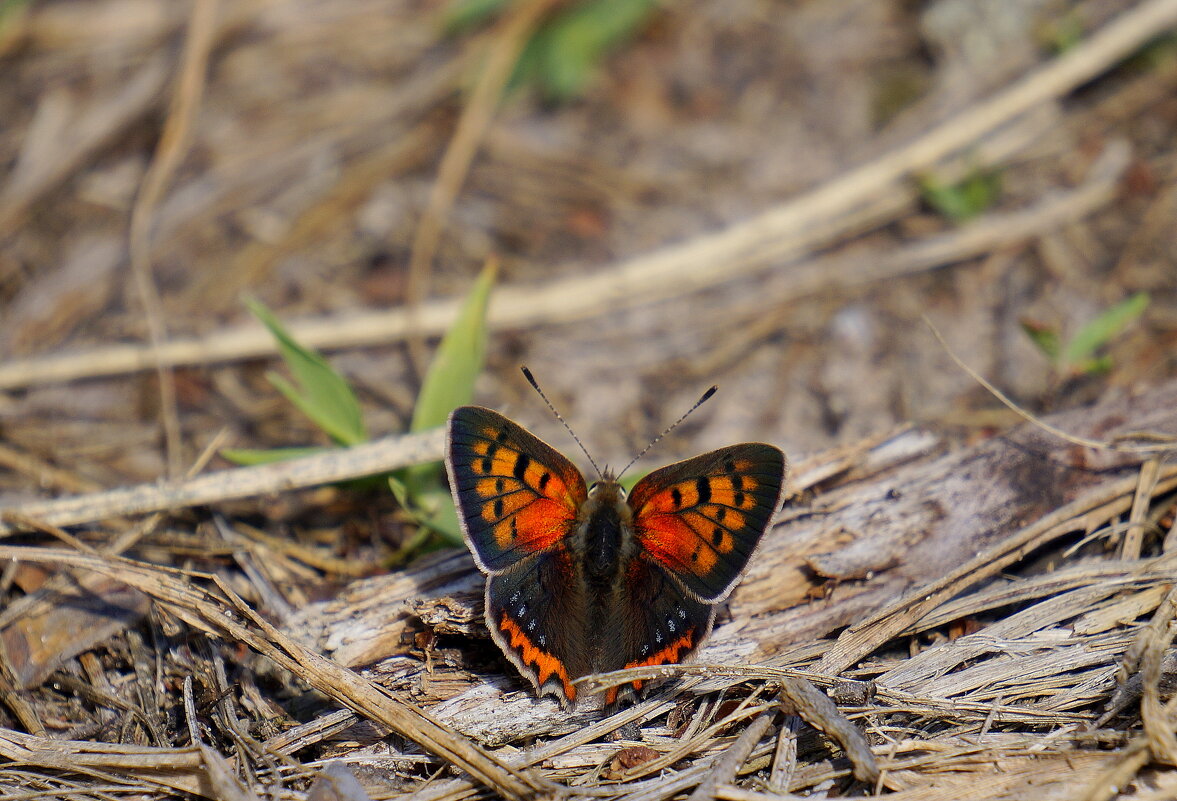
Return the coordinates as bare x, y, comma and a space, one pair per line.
251, 456
449, 382
318, 391
965, 200
1097, 366
1045, 339
465, 14
1103, 329
576, 42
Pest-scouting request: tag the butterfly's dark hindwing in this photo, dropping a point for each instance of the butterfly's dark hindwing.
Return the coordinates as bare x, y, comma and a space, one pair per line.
516, 495
536, 613
701, 519
555, 629
659, 623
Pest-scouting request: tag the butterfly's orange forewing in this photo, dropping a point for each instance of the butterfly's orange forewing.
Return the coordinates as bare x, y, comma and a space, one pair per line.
702, 518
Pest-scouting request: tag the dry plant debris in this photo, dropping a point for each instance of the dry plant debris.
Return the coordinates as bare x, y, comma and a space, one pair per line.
992, 613
1020, 687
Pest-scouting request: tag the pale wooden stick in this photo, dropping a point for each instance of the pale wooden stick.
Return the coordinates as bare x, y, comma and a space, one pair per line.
338, 464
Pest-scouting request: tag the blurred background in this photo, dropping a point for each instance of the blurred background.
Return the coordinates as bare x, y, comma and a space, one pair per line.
678, 194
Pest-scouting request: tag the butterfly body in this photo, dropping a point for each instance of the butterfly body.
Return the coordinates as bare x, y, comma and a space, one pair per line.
586, 580
603, 535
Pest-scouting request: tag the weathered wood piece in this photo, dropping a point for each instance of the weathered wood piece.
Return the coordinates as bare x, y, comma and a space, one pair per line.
856, 551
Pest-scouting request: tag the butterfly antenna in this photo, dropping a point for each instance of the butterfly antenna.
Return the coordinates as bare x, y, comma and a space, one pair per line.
669, 428
535, 385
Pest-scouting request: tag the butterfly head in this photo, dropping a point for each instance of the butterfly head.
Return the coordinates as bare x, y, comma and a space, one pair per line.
607, 488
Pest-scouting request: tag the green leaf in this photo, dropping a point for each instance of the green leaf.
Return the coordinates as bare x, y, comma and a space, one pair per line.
462, 15
1097, 366
576, 41
1046, 339
427, 536
318, 391
443, 517
1103, 329
251, 456
1064, 33
562, 55
448, 383
432, 509
401, 493
965, 200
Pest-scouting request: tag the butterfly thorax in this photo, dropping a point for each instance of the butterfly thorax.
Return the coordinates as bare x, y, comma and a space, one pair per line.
604, 532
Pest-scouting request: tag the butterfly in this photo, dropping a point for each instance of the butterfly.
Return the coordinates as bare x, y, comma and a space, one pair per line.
583, 579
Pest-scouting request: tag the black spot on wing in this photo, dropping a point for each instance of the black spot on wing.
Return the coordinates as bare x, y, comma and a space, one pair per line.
703, 488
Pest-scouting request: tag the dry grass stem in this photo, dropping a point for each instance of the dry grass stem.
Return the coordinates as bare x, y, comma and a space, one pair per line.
1130, 547
170, 152
222, 613
574, 298
507, 42
341, 464
801, 698
723, 771
1162, 444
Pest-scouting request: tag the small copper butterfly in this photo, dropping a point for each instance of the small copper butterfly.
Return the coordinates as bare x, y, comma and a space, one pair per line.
583, 579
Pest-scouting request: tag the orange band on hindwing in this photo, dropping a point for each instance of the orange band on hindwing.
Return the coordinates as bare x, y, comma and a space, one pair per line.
670, 655
543, 663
